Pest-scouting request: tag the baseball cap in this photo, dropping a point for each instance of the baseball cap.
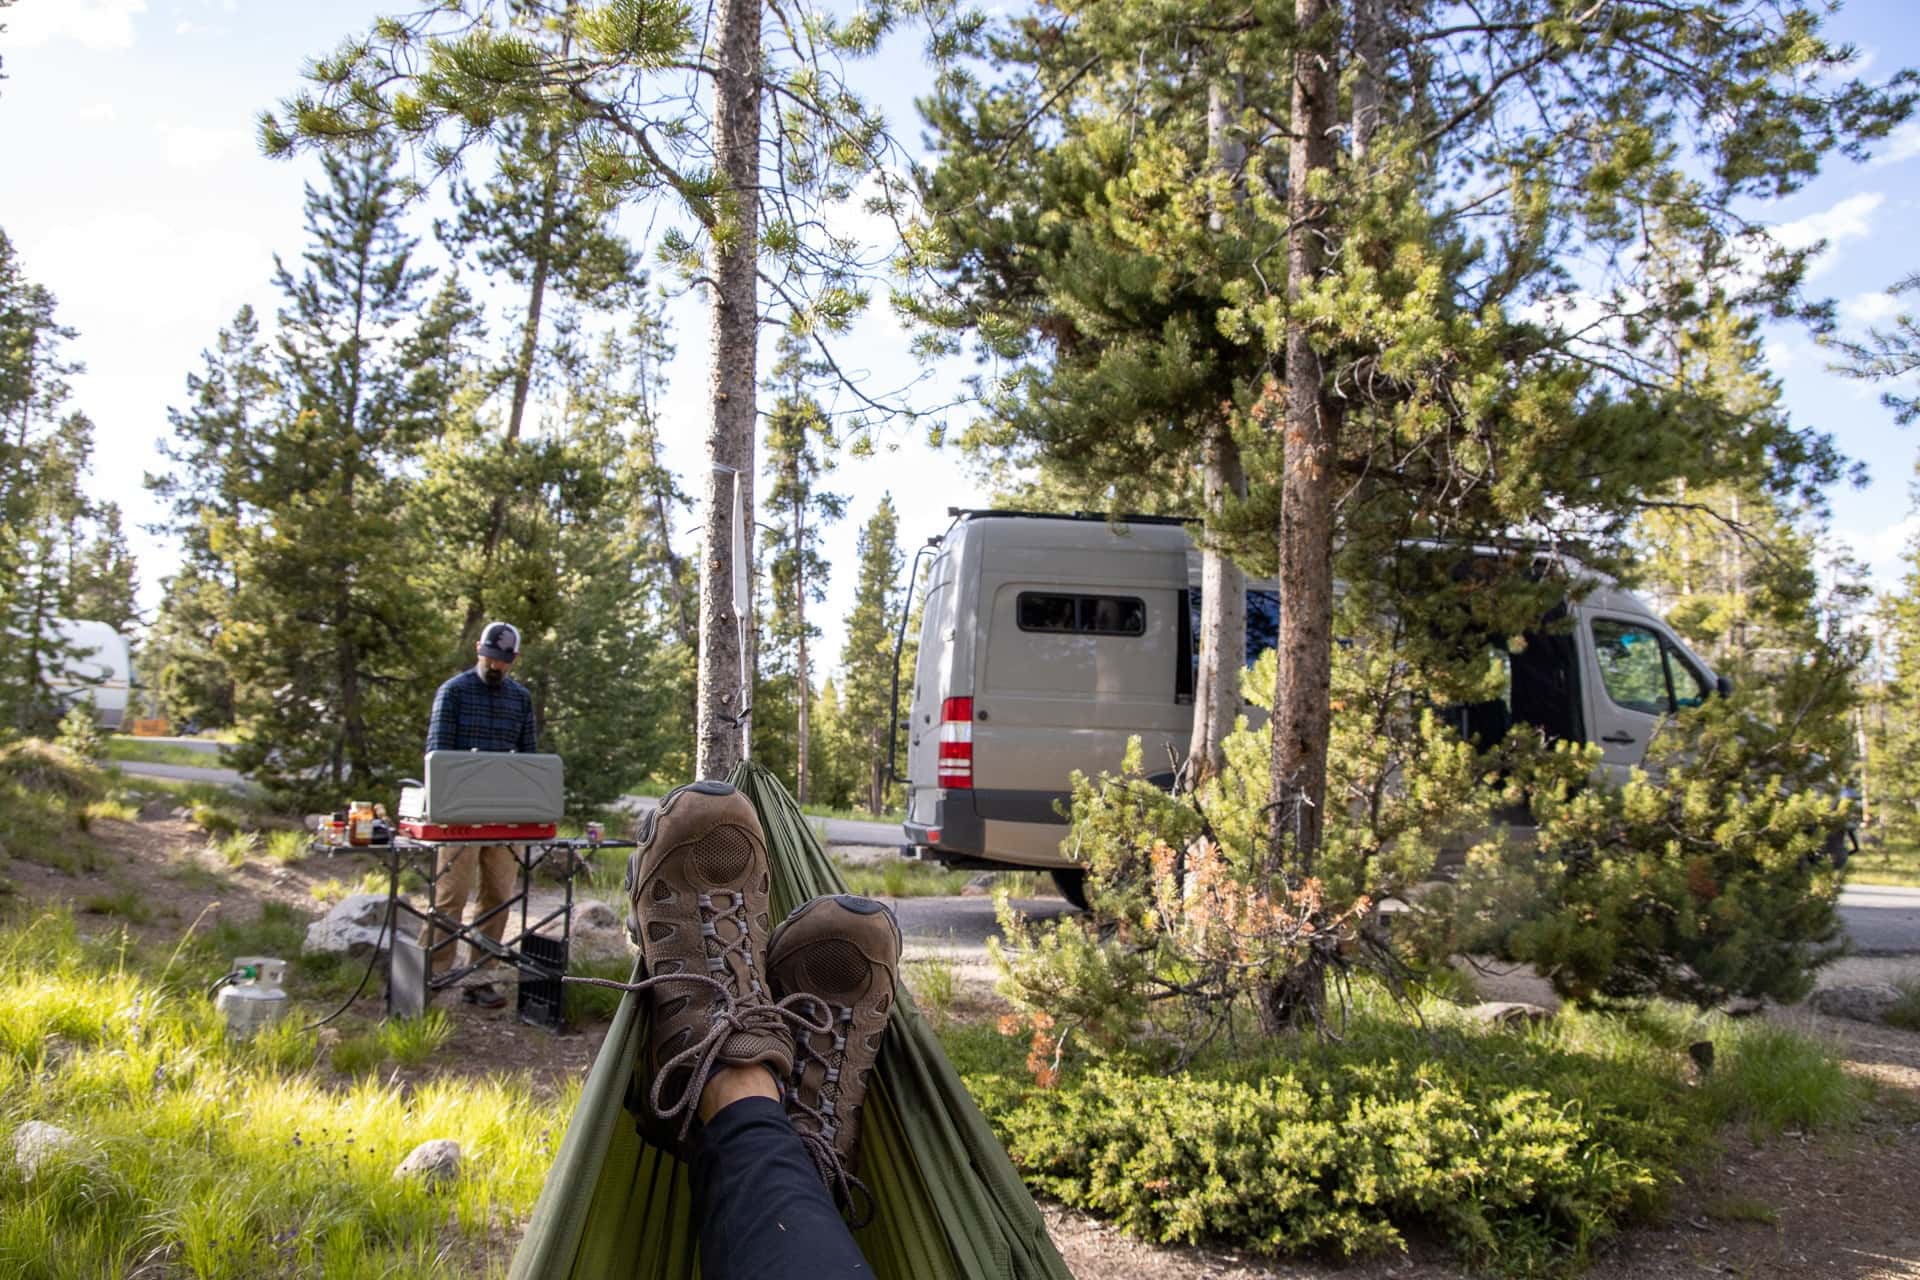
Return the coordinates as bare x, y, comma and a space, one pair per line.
500, 641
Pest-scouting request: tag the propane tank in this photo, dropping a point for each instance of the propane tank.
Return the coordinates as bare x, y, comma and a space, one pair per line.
250, 996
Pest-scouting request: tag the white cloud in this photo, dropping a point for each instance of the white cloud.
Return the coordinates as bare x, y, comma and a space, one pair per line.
1902, 144
1882, 548
97, 111
199, 150
1851, 219
96, 24
1867, 309
1848, 220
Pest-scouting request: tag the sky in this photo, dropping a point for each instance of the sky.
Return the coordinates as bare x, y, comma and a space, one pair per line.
132, 188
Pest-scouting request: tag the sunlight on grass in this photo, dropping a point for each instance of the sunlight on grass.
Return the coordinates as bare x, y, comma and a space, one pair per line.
1885, 862
232, 1159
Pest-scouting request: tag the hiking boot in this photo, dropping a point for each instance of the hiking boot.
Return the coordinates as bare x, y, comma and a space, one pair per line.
844, 952
698, 889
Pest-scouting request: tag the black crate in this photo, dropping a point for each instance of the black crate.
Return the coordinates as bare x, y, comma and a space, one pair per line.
543, 1001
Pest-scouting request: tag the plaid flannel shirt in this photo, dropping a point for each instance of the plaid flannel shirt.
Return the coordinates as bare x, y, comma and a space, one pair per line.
471, 715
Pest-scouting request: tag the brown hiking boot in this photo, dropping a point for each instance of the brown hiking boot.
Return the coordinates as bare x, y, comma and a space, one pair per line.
844, 952
698, 887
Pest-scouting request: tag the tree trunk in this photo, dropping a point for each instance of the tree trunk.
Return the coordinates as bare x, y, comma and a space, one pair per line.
1301, 714
1369, 43
734, 332
522, 383
803, 681
1223, 615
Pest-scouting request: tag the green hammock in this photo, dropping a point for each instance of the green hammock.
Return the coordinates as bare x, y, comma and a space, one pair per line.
948, 1203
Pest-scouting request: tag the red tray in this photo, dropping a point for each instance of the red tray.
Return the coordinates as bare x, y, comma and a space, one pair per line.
502, 833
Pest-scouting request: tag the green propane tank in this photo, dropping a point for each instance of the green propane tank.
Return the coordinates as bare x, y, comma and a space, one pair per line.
250, 996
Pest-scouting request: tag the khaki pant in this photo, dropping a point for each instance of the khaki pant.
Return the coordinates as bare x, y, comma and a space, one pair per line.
455, 866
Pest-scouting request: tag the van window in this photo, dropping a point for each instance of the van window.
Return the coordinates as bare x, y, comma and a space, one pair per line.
1642, 670
1082, 615
1263, 623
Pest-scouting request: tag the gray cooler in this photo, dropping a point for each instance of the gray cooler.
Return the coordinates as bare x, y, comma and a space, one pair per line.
486, 788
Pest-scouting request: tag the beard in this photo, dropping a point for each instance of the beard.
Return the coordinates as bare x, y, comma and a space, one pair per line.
493, 675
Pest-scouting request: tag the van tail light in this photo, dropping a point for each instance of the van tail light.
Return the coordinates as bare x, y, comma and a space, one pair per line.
954, 767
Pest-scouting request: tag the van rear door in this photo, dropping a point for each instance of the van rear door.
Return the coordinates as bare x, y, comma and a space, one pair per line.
932, 678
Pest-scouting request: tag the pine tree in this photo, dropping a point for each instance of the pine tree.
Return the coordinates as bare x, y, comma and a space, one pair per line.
668, 101
326, 637
866, 661
799, 442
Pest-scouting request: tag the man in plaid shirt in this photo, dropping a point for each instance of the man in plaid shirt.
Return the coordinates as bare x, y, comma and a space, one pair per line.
479, 710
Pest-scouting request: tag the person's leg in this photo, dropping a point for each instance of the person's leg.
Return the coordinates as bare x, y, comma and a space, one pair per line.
453, 881
762, 1210
499, 879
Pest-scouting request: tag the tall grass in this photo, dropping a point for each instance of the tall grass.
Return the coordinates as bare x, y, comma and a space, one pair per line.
202, 1156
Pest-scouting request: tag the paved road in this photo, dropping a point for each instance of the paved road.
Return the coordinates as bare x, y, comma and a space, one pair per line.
841, 831
182, 772
1880, 920
206, 746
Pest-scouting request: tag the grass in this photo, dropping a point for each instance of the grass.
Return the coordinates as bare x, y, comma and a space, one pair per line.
286, 847
203, 1156
1905, 1012
245, 804
852, 815
1894, 862
234, 847
147, 751
1740, 1209
935, 986
125, 905
405, 1042
899, 879
587, 1004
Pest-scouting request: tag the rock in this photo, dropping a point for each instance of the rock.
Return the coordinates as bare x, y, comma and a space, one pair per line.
597, 943
355, 926
981, 886
433, 1162
181, 812
36, 1142
594, 914
1868, 1003
1509, 1013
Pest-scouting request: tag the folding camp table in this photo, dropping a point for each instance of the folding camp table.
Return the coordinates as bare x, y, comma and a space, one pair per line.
540, 959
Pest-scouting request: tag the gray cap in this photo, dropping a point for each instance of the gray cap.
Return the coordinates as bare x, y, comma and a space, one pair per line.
500, 641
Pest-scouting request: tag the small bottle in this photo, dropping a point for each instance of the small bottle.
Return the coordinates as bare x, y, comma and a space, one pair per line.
337, 828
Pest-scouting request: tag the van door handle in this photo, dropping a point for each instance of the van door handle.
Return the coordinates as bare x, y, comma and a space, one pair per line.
1620, 738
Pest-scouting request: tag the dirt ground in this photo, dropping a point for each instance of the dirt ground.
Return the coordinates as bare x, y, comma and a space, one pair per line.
1842, 1205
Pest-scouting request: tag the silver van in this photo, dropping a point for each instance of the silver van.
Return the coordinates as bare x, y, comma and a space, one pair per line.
1048, 641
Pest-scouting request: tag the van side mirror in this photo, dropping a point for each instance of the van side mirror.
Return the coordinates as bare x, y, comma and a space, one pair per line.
1723, 685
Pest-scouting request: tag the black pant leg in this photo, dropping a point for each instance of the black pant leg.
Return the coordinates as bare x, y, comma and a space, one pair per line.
763, 1212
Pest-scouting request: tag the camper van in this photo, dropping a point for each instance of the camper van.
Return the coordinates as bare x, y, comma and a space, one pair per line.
96, 668
1047, 642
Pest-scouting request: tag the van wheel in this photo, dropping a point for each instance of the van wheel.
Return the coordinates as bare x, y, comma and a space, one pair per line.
1072, 886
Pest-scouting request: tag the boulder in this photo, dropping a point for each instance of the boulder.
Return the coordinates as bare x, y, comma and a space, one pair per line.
35, 1143
1509, 1013
597, 943
434, 1161
1868, 1003
594, 914
355, 926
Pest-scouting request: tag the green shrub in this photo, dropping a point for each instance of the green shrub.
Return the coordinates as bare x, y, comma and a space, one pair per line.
586, 1003
80, 733
1521, 1149
213, 818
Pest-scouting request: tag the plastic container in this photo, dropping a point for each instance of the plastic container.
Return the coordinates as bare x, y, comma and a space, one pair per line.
360, 823
337, 828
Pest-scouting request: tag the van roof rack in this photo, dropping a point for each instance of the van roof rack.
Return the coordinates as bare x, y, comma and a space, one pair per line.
975, 513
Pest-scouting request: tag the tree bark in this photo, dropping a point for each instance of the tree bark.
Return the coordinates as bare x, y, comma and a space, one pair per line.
1301, 711
522, 383
734, 333
803, 682
1223, 615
